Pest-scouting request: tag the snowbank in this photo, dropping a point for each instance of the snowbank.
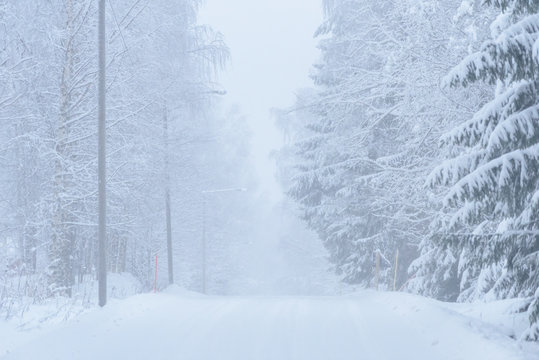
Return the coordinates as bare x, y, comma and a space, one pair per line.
177, 324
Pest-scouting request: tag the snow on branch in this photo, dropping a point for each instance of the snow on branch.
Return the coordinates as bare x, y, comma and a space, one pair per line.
509, 57
517, 128
496, 174
484, 121
456, 168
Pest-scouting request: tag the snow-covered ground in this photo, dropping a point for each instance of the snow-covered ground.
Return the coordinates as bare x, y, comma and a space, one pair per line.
22, 320
177, 324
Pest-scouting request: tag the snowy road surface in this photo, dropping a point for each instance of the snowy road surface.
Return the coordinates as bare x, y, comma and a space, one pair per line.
183, 326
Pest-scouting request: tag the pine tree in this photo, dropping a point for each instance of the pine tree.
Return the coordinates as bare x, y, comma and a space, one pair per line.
435, 272
370, 131
494, 175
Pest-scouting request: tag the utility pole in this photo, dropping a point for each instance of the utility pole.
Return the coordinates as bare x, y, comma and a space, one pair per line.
204, 205
102, 179
167, 201
396, 267
377, 275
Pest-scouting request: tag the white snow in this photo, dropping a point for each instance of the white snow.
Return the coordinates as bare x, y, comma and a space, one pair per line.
25, 320
465, 8
178, 324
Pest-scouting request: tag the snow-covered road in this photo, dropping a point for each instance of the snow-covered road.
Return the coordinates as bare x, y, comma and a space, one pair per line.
364, 326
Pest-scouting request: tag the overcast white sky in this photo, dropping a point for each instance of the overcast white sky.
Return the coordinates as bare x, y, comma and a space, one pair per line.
272, 48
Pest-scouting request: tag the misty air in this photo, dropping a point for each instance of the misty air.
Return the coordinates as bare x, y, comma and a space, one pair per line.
269, 179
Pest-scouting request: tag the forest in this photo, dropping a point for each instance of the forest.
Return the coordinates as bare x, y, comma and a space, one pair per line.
409, 165
420, 137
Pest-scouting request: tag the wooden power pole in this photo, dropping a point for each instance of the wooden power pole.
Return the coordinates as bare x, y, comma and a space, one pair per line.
167, 202
377, 274
102, 180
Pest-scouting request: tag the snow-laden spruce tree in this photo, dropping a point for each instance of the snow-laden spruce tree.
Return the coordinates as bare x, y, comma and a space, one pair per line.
349, 128
370, 131
435, 272
494, 174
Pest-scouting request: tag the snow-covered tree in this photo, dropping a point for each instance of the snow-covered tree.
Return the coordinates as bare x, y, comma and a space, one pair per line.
161, 62
493, 174
370, 130
435, 272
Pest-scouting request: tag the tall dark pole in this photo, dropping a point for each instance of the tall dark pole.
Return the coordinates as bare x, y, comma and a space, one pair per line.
102, 180
167, 202
204, 244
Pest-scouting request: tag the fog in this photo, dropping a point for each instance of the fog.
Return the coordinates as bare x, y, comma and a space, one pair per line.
284, 179
271, 58
273, 49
